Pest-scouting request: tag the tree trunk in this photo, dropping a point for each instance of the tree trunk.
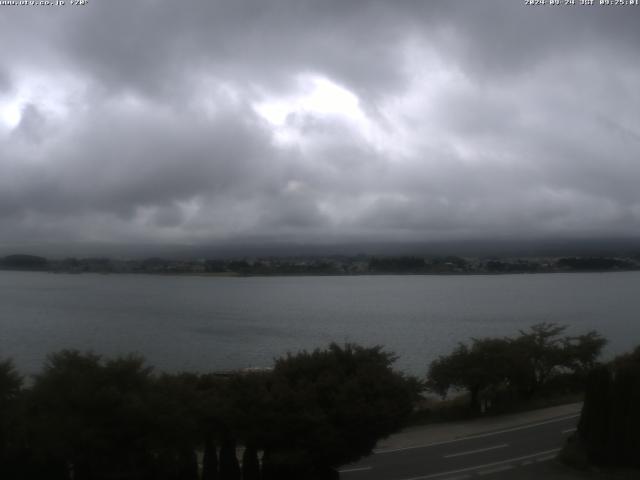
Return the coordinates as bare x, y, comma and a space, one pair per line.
267, 471
210, 460
229, 466
474, 401
595, 418
188, 469
250, 464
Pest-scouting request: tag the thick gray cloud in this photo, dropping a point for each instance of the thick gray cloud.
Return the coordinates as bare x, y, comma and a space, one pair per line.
158, 122
5, 81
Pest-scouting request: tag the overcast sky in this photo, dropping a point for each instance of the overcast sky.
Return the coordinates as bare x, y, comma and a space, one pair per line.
208, 122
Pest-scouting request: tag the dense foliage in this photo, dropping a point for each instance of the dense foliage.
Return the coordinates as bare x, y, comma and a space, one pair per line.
609, 427
24, 262
332, 405
89, 418
519, 367
590, 264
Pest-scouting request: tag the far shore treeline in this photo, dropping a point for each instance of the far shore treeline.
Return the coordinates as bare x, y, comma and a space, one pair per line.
86, 417
325, 265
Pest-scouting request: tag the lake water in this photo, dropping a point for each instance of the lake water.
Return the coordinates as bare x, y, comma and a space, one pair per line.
219, 323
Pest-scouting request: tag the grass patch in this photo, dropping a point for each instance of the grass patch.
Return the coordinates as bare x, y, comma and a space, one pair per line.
435, 410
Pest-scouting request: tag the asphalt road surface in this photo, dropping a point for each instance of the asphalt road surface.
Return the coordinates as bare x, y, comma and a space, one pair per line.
488, 455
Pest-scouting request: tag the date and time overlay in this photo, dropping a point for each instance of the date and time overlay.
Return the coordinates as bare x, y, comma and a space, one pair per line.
583, 3
44, 3
566, 3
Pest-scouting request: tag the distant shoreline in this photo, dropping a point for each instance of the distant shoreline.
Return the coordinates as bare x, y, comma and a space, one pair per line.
363, 274
337, 265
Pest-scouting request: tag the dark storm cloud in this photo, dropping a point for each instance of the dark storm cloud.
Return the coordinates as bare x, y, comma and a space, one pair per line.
5, 81
148, 45
32, 124
181, 123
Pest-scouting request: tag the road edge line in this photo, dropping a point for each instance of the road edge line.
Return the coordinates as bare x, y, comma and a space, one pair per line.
486, 465
479, 435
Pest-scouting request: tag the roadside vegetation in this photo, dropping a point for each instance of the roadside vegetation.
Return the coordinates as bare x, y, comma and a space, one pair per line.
85, 417
608, 433
539, 367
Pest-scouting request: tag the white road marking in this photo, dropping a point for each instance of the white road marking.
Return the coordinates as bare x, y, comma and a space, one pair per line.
358, 469
569, 430
546, 458
486, 465
495, 470
481, 435
470, 452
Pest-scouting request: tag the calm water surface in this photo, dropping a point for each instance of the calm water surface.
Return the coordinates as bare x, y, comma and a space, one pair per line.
213, 323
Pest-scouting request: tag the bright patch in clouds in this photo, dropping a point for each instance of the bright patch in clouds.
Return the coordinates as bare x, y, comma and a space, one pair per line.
318, 96
57, 95
11, 113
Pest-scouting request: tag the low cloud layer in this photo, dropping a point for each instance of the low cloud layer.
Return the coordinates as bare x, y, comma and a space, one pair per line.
323, 122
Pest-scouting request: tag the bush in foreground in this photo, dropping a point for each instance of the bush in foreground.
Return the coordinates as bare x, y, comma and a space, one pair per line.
609, 427
90, 418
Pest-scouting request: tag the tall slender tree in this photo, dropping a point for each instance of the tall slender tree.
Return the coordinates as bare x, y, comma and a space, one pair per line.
210, 459
229, 466
250, 464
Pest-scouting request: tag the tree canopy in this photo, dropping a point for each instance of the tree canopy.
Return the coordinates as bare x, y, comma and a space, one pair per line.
523, 364
336, 403
90, 418
609, 427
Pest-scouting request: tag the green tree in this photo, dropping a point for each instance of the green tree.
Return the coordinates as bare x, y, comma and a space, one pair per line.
581, 353
520, 365
93, 415
229, 466
594, 422
330, 407
250, 464
486, 364
543, 353
210, 460
10, 382
609, 426
10, 417
543, 349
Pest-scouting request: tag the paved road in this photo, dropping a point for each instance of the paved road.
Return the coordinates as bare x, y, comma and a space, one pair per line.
487, 455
